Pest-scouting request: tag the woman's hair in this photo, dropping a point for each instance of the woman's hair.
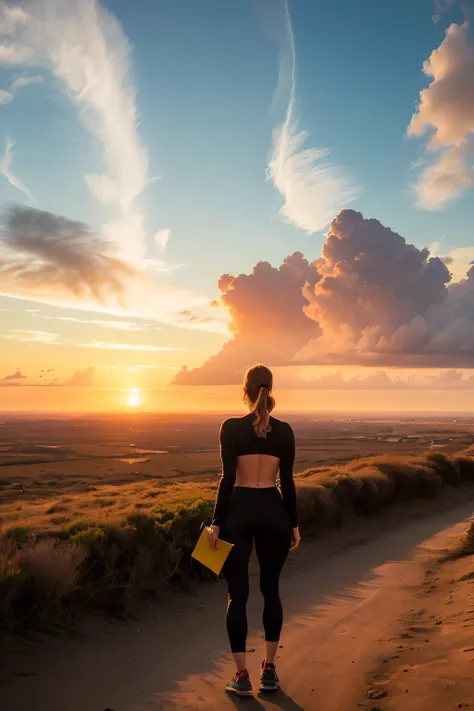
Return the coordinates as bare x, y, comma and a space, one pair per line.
258, 384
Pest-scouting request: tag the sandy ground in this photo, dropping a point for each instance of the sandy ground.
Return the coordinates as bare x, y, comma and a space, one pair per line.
348, 613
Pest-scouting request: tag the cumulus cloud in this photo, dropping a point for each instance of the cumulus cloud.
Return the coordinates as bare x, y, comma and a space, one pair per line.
6, 169
446, 113
267, 320
82, 379
18, 375
371, 299
313, 188
383, 300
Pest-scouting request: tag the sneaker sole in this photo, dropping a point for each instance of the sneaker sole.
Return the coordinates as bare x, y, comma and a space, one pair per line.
239, 693
269, 688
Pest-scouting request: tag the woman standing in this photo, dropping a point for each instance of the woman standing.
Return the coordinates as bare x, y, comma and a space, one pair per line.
249, 507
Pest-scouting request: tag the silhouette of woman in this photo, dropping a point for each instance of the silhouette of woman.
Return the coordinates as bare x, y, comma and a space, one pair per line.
249, 507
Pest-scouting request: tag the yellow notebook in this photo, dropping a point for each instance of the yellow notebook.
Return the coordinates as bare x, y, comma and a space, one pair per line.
212, 559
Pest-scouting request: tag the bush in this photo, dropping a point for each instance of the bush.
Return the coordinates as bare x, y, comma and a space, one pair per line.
468, 544
145, 545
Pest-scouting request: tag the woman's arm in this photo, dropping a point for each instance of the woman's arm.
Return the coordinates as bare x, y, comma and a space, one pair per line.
229, 467
287, 484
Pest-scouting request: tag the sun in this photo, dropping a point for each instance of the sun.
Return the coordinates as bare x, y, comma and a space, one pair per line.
134, 397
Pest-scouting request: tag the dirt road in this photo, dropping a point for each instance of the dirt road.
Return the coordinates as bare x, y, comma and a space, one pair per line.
340, 610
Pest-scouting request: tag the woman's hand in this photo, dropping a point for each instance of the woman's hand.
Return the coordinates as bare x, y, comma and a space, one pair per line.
295, 539
213, 535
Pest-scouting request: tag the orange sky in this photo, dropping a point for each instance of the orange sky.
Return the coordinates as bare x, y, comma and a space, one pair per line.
226, 399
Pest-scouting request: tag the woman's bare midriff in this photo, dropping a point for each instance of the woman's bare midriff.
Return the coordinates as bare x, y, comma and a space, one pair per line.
257, 471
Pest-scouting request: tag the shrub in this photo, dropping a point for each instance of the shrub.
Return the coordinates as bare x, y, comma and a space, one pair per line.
468, 544
146, 541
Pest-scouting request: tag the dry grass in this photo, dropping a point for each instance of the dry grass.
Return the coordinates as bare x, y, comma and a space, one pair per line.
100, 546
468, 543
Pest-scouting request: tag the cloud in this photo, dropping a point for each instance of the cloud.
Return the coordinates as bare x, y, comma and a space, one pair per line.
42, 252
267, 321
440, 7
84, 47
26, 80
458, 260
61, 262
446, 113
117, 346
162, 238
382, 300
313, 188
12, 54
6, 97
82, 379
380, 380
32, 336
18, 375
6, 169
102, 323
371, 299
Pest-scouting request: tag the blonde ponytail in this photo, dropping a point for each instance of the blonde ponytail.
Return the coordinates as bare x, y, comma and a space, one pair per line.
257, 386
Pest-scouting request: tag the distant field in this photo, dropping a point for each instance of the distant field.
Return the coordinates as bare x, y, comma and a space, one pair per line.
57, 471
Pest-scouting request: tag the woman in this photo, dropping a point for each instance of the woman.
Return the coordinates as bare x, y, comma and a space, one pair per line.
249, 507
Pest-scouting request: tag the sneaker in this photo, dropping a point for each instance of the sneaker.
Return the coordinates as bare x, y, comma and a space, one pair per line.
269, 680
240, 684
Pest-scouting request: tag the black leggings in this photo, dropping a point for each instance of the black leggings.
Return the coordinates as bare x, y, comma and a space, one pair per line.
260, 515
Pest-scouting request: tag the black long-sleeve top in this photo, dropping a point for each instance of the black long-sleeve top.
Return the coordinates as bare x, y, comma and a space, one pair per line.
237, 437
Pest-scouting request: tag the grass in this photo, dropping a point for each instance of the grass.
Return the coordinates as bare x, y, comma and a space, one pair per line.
468, 543
101, 547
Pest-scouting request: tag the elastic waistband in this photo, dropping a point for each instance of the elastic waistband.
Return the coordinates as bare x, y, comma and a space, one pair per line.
249, 490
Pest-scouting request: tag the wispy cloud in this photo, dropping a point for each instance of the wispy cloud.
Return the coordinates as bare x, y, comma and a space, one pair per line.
313, 188
32, 336
7, 96
6, 169
84, 47
26, 80
162, 238
104, 323
41, 251
117, 346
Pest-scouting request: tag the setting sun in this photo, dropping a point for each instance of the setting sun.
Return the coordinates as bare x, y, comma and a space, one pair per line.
134, 397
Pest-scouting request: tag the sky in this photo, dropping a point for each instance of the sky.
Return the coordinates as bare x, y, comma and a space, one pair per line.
190, 187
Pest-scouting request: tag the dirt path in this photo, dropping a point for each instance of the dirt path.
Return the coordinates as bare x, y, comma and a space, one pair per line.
339, 610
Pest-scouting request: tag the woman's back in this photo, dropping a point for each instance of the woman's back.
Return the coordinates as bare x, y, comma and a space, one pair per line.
257, 459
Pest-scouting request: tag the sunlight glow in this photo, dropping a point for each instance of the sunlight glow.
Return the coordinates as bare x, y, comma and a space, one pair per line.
134, 397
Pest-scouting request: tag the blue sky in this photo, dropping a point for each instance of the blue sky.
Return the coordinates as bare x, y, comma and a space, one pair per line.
205, 73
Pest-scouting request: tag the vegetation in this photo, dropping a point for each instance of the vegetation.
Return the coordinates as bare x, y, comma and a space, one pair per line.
468, 543
102, 547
